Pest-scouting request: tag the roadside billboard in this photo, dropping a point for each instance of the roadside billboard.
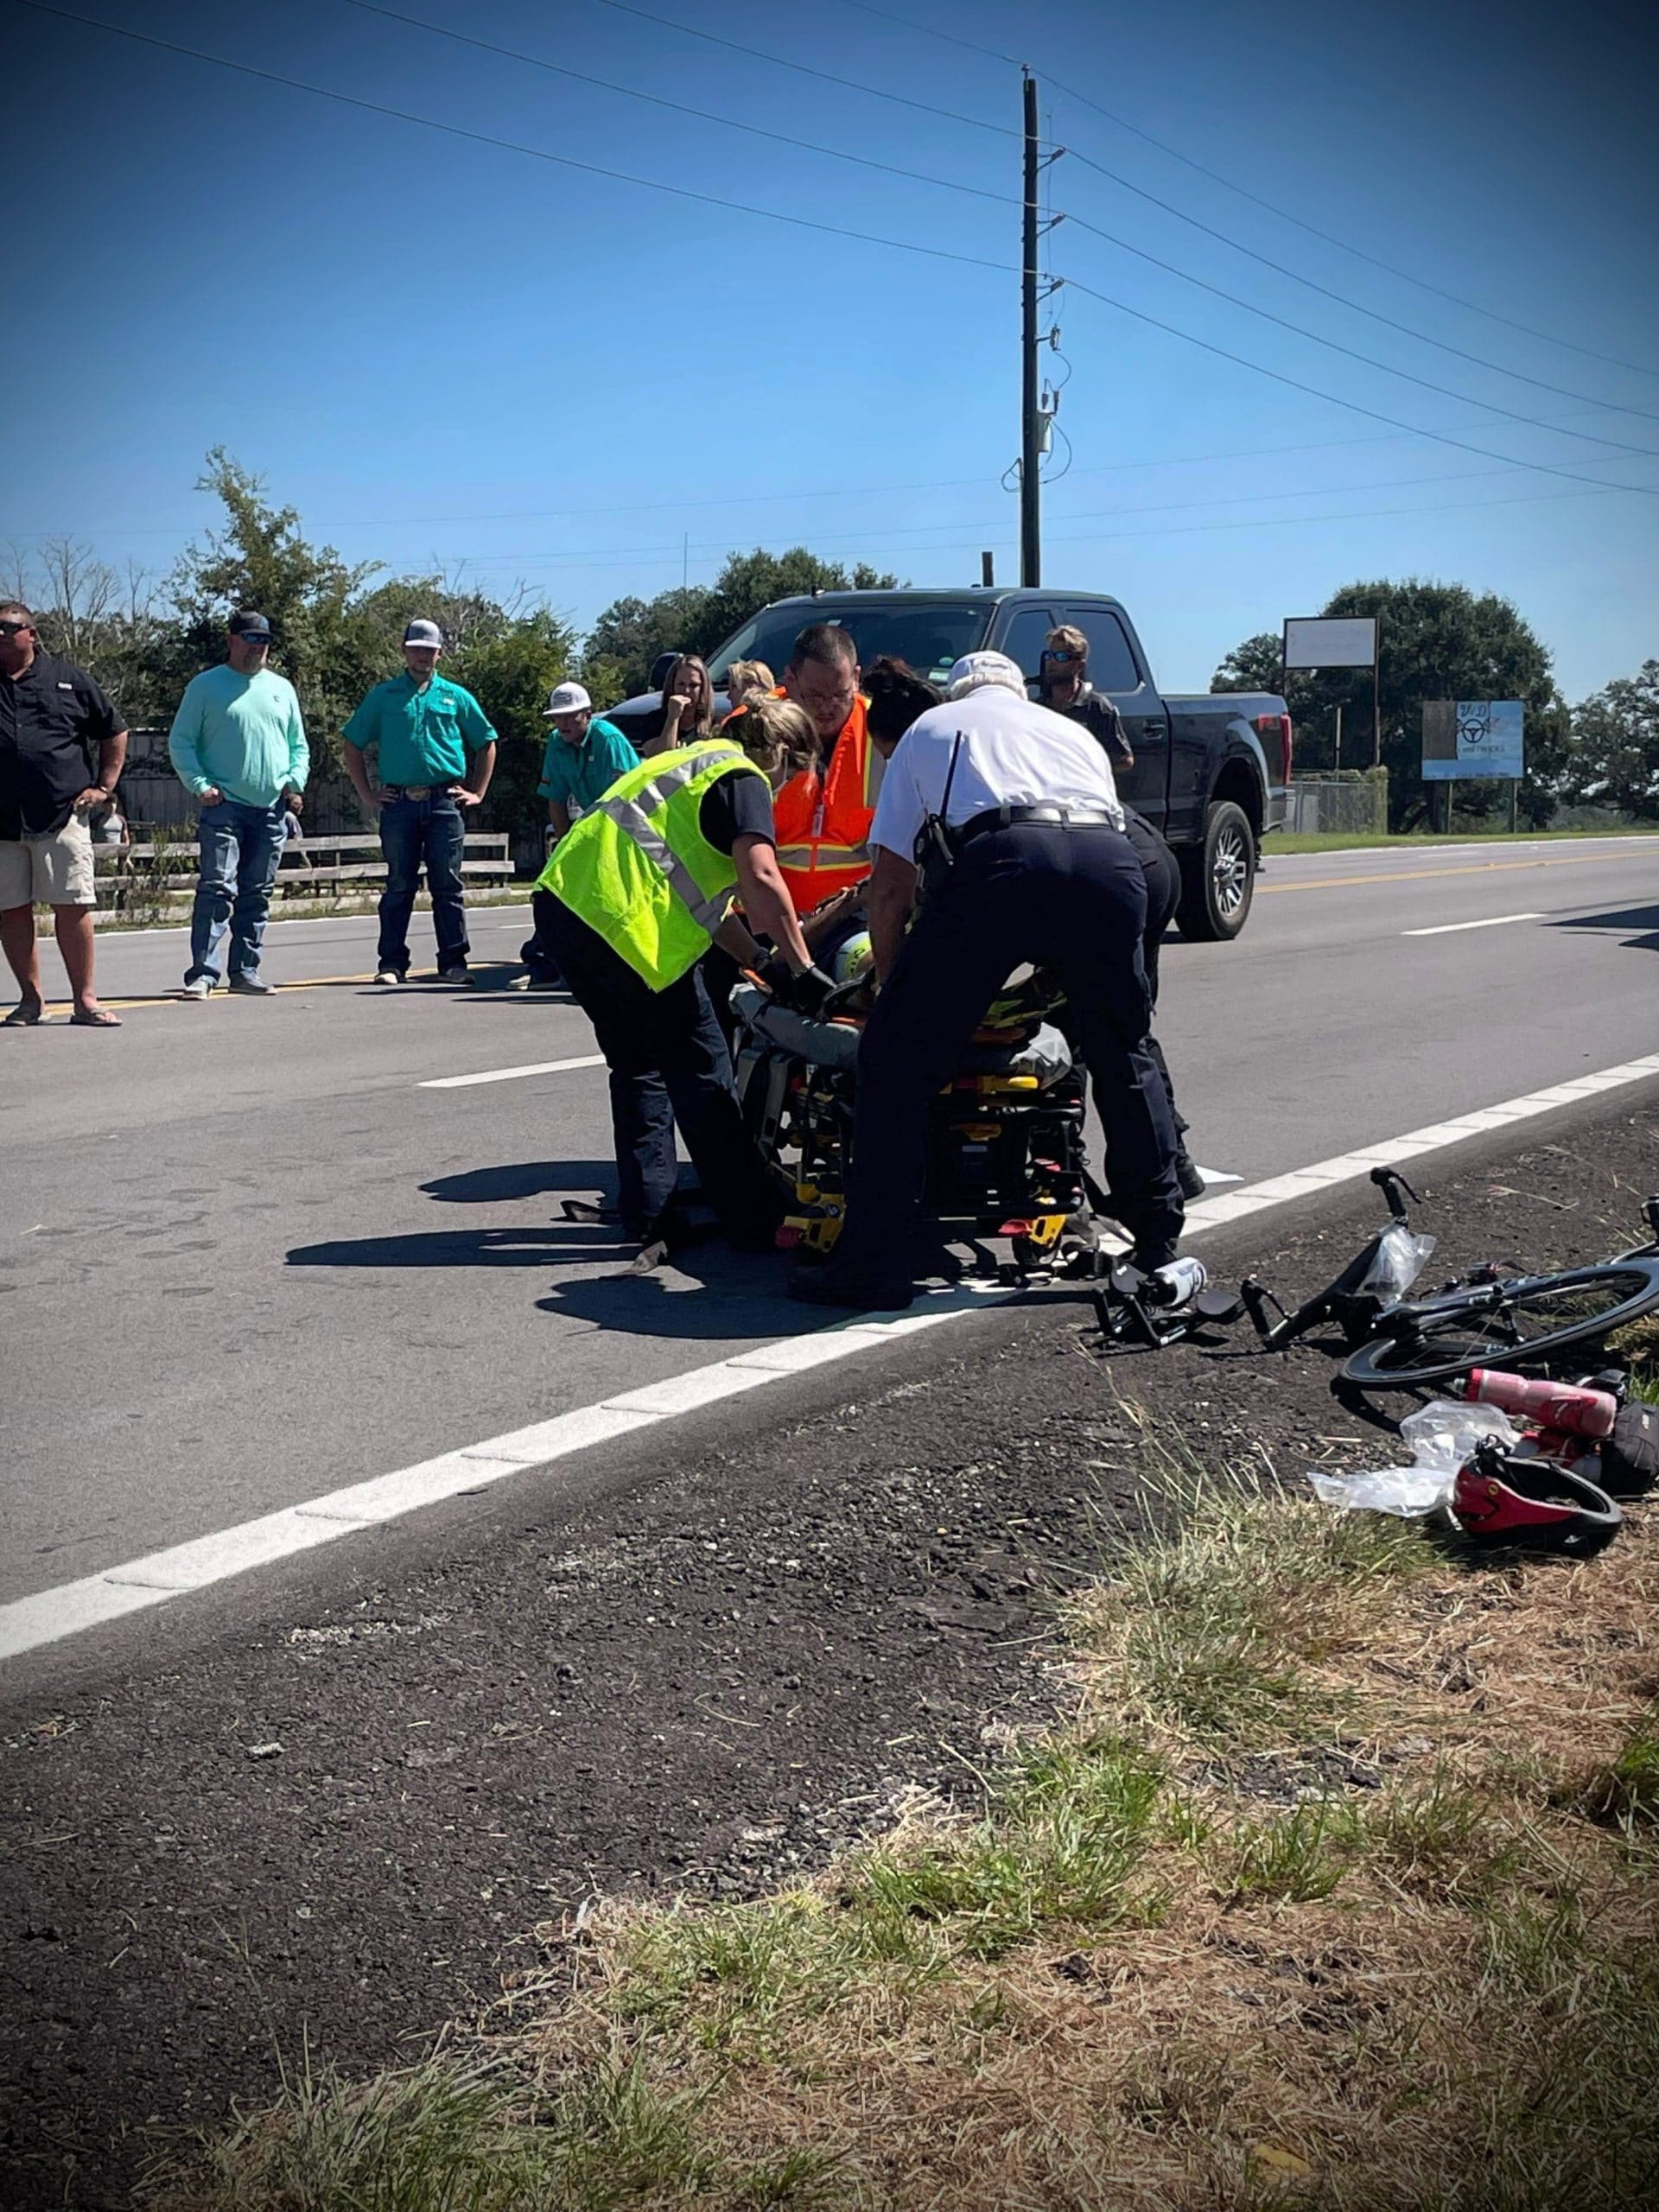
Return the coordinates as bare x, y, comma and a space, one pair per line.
1466, 739
1328, 641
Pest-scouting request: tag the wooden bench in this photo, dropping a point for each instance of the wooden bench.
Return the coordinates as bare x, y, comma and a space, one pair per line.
306, 863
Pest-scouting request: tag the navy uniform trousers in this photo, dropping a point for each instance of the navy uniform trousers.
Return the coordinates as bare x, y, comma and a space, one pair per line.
1072, 900
669, 1064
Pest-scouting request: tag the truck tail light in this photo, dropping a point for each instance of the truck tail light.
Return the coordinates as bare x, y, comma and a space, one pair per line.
1271, 727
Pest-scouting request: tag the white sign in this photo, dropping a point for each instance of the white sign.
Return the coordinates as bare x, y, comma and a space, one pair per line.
1320, 641
1464, 739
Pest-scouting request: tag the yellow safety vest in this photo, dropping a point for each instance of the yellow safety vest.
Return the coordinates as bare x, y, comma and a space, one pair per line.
638, 869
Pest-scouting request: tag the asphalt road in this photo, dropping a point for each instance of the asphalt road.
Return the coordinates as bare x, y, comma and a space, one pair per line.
249, 1255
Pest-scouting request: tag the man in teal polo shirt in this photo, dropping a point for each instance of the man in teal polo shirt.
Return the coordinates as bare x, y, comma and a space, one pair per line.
584, 757
421, 728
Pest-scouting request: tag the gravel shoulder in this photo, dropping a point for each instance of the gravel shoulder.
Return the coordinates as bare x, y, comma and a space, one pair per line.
700, 1665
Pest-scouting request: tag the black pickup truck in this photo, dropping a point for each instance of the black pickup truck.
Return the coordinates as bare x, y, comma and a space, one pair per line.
1210, 769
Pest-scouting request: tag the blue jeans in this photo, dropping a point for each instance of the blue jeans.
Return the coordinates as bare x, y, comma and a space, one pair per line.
416, 833
241, 846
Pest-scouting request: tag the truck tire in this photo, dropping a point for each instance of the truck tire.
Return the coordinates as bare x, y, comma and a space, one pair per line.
1219, 877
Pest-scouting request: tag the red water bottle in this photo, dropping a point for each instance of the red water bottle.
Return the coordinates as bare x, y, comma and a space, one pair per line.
1548, 1405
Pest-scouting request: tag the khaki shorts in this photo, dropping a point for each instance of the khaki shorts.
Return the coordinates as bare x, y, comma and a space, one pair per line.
55, 871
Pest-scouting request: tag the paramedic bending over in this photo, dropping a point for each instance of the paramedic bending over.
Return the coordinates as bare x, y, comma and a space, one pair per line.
1043, 872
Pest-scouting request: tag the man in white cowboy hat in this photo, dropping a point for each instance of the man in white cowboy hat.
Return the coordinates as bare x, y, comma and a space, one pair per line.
426, 734
584, 757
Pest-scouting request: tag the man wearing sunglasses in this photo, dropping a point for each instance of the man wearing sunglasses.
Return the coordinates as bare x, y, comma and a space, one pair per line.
1065, 688
53, 719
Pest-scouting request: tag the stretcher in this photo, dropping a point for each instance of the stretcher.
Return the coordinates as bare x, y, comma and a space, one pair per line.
1005, 1153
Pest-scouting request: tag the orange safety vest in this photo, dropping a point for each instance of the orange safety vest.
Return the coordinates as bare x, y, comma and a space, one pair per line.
823, 821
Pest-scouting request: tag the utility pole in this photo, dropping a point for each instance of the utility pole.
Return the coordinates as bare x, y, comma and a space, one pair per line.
1031, 546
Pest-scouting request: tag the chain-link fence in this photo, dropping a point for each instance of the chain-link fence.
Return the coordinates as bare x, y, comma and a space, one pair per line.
1354, 802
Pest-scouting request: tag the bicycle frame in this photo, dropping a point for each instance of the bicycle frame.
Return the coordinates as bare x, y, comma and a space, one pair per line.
1343, 1300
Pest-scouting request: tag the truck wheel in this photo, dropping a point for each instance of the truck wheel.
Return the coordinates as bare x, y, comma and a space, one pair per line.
1219, 877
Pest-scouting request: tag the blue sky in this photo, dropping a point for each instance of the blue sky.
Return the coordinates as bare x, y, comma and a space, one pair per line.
446, 352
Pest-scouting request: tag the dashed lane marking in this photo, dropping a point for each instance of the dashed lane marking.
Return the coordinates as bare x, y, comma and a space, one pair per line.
49, 1615
1491, 922
507, 1075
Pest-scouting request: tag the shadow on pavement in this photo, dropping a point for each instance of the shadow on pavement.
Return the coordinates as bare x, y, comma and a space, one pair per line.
1642, 920
530, 1245
524, 1179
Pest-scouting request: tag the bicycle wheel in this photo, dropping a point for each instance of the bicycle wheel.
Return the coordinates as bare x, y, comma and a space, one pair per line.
1521, 1322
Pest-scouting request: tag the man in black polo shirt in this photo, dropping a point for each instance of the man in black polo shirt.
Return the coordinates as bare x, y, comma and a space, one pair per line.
53, 719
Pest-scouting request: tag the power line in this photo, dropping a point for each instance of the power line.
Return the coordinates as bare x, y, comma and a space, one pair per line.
875, 544
1407, 376
1279, 376
802, 69
775, 499
1389, 322
1550, 338
681, 107
802, 222
929, 31
916, 176
514, 145
886, 534
1358, 514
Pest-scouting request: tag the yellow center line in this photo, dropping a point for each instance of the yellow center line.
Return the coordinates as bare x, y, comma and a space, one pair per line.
1416, 874
303, 983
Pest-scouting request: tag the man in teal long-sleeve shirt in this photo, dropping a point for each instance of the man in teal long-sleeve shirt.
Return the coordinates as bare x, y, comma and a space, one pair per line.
238, 742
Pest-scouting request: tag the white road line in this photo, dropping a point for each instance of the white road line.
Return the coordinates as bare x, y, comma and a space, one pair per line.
507, 1075
48, 1615
1491, 922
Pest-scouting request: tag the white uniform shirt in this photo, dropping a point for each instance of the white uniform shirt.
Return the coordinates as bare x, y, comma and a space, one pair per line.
1012, 751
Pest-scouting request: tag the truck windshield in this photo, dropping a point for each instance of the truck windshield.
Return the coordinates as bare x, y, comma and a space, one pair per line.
927, 634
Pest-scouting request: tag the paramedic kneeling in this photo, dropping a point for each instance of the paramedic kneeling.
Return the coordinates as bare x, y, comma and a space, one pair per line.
640, 885
1042, 871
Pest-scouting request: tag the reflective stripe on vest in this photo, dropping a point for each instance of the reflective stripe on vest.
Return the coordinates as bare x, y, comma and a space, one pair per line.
653, 889
842, 801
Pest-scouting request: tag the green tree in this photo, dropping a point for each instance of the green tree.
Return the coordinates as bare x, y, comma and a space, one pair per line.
1438, 641
1614, 753
631, 634
259, 558
748, 581
106, 622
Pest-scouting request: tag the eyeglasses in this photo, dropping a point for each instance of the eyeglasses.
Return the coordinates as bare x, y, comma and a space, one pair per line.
254, 637
13, 629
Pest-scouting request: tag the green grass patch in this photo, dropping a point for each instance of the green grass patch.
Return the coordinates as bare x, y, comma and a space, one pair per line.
1228, 1934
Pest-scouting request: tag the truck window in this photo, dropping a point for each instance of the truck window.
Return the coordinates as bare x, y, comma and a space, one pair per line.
1111, 663
1024, 641
928, 633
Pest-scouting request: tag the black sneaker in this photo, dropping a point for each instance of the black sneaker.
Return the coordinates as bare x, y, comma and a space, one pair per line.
251, 987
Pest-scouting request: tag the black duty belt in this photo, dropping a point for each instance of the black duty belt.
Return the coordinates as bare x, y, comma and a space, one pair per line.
1057, 817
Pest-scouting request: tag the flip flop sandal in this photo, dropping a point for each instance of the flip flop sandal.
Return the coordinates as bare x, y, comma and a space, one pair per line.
102, 1020
20, 1017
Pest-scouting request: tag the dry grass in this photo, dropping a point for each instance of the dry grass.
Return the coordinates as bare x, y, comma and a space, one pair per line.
1337, 1888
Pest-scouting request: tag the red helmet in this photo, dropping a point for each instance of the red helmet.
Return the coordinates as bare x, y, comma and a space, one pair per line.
1499, 1499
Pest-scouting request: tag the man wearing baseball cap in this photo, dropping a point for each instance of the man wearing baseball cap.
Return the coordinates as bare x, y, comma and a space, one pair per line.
585, 755
238, 742
425, 733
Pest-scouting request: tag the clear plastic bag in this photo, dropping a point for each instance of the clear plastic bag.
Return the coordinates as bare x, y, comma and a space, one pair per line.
1402, 1255
1405, 1491
1441, 1436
